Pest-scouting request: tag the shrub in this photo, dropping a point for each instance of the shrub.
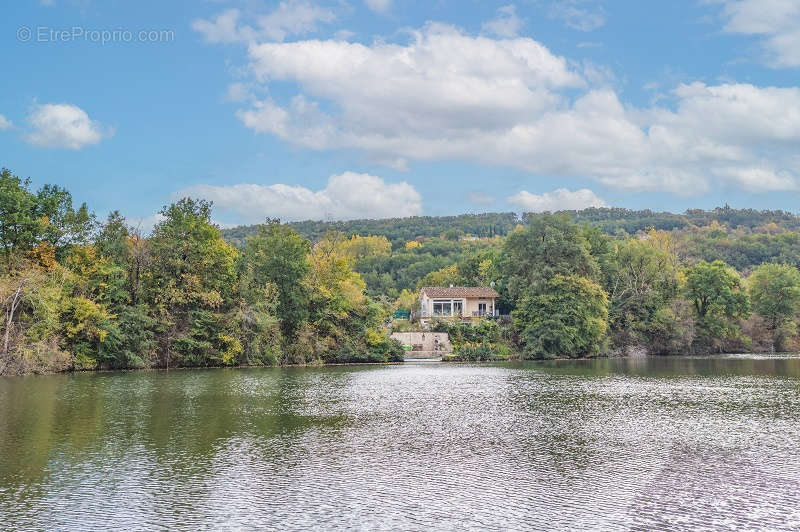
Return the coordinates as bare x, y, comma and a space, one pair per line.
480, 352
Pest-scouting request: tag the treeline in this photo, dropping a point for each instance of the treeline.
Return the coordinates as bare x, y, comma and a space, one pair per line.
610, 220
614, 220
574, 291
421, 246
78, 294
398, 230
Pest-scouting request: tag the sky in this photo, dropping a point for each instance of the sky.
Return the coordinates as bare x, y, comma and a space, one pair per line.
316, 109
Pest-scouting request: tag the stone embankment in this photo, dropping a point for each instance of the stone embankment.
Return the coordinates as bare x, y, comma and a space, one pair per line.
425, 344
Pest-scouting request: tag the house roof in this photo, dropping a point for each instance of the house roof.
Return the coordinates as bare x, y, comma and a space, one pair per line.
460, 291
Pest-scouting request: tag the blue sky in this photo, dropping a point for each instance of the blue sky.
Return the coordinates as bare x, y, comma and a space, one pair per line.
341, 109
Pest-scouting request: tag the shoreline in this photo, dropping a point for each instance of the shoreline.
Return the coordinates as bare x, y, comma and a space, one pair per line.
782, 354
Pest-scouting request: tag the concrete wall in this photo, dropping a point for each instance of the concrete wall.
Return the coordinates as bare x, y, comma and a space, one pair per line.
426, 344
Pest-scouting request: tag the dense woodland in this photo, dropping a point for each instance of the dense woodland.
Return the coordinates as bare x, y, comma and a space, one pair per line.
80, 292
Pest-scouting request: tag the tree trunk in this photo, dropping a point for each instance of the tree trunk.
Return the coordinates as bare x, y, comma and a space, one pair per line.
12, 309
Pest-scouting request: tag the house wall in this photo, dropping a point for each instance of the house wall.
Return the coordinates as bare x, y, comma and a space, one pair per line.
470, 305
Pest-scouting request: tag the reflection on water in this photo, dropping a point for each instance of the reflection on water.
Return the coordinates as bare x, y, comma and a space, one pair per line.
648, 443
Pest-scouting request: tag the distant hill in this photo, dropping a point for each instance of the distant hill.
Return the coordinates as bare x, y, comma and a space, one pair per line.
614, 220
398, 230
609, 220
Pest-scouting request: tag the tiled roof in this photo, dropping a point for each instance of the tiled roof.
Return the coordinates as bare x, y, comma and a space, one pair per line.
459, 291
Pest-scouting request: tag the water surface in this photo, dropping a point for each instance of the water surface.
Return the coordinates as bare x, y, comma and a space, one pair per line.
652, 443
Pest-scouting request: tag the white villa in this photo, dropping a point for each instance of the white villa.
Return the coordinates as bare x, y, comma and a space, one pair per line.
463, 302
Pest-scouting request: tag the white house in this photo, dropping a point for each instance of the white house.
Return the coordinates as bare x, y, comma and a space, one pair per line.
462, 302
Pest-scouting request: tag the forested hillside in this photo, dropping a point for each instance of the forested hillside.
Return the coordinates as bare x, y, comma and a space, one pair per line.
419, 246
609, 219
80, 293
398, 230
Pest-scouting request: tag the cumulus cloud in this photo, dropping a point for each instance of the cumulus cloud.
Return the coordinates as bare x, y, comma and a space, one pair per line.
447, 95
64, 126
506, 24
379, 6
290, 17
5, 123
412, 101
347, 196
558, 200
777, 22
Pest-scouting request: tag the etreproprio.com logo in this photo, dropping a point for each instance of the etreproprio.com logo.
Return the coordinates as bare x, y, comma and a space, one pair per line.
100, 36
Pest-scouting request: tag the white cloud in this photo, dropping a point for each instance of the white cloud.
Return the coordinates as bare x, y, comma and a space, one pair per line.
64, 126
577, 15
558, 200
239, 92
776, 21
5, 123
290, 17
347, 196
506, 24
379, 6
446, 95
443, 84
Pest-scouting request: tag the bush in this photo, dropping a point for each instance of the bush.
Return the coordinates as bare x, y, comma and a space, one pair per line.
386, 350
480, 352
476, 332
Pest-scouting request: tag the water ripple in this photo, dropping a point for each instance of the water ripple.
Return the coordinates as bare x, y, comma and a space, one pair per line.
706, 445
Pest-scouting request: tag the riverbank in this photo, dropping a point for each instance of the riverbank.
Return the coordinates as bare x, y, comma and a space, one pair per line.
450, 358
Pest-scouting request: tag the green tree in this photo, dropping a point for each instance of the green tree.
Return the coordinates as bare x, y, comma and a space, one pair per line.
643, 283
775, 295
566, 316
191, 283
63, 225
19, 222
276, 254
550, 245
718, 300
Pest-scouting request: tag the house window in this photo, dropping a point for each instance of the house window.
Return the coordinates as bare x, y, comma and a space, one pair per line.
482, 308
458, 307
442, 307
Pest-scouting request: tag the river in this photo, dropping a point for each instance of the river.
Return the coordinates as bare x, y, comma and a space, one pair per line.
646, 443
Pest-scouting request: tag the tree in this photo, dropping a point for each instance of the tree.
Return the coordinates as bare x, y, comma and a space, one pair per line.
363, 247
643, 283
276, 254
19, 224
336, 290
718, 300
775, 295
62, 224
191, 282
444, 277
550, 245
566, 316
